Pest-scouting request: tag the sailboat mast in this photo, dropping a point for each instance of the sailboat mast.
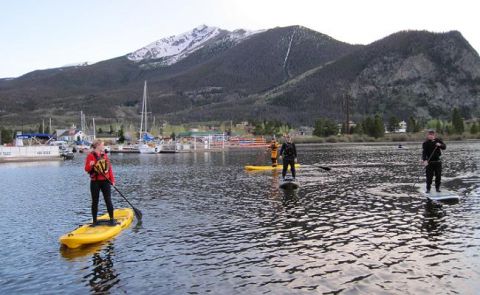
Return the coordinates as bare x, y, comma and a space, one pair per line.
141, 118
93, 120
145, 101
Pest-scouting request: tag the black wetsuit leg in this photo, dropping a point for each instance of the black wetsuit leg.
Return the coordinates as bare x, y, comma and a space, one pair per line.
292, 167
285, 168
107, 196
437, 171
95, 192
429, 173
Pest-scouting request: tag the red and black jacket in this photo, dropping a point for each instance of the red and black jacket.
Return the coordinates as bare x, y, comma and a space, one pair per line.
93, 157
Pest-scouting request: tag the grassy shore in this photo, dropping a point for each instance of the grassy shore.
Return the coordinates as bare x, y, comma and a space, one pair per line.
403, 137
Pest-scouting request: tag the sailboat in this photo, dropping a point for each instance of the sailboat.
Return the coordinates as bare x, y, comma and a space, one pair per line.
145, 141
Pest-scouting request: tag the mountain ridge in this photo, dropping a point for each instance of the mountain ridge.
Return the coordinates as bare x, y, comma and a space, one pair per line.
290, 73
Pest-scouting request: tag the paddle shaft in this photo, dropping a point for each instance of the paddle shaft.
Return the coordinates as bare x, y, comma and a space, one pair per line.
138, 213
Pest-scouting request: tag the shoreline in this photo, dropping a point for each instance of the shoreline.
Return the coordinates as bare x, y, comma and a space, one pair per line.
396, 138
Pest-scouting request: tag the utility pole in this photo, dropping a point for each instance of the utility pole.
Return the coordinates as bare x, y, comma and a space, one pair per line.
94, 130
346, 110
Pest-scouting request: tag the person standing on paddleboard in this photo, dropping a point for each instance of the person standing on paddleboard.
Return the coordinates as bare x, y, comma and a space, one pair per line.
98, 166
431, 159
288, 153
273, 147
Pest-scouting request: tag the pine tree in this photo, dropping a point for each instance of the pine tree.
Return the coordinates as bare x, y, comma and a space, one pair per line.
358, 129
325, 127
369, 126
121, 135
378, 127
457, 122
411, 125
438, 127
474, 128
6, 136
393, 124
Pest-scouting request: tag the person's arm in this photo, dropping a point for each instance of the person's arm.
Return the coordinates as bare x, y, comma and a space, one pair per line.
440, 144
281, 150
295, 151
110, 172
89, 162
424, 151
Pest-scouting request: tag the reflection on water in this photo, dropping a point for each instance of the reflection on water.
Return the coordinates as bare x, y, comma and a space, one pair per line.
77, 254
211, 227
103, 275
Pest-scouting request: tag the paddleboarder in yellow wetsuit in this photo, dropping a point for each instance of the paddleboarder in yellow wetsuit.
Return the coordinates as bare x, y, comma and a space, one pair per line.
273, 147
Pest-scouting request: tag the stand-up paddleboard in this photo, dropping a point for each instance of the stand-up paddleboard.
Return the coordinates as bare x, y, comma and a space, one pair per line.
89, 234
289, 184
444, 195
265, 168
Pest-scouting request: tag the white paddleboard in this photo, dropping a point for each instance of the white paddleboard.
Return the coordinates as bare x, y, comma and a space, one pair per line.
289, 183
444, 195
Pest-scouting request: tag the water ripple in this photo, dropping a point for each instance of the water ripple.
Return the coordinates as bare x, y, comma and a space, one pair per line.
211, 227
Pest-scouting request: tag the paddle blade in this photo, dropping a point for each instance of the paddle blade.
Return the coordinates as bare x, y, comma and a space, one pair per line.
138, 213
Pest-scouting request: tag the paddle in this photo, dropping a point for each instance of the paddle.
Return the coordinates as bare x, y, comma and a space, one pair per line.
425, 167
325, 168
138, 213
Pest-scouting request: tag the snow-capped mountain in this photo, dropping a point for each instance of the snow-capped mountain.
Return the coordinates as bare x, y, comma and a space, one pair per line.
175, 48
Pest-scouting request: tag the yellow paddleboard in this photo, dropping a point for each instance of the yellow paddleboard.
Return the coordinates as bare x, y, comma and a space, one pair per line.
88, 234
259, 168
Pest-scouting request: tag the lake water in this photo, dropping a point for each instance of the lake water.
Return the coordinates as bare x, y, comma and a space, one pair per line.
210, 227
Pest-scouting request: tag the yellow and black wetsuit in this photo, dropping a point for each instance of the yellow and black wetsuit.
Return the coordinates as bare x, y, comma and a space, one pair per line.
274, 153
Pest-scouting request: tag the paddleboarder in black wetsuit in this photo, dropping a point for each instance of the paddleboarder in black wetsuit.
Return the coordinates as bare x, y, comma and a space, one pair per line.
288, 152
431, 159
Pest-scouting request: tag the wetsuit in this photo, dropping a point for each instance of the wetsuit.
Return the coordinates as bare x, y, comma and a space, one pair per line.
432, 153
274, 152
98, 183
289, 153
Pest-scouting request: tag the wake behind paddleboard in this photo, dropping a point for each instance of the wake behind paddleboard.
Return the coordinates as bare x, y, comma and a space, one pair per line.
444, 195
88, 234
289, 184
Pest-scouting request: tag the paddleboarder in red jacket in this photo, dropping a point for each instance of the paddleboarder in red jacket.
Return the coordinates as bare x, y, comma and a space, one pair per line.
98, 166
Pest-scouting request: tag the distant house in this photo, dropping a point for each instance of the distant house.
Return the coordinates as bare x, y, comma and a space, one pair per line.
400, 128
70, 135
351, 125
305, 131
107, 138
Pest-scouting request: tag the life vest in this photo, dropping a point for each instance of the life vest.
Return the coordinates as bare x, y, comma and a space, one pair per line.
274, 149
101, 165
289, 151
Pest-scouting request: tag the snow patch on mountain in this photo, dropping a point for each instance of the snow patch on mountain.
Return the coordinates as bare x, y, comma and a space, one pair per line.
175, 48
76, 64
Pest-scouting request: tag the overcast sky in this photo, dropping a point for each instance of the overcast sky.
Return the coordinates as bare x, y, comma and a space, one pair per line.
43, 34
